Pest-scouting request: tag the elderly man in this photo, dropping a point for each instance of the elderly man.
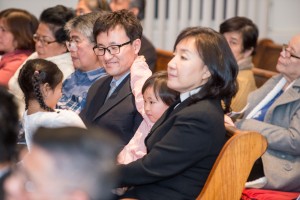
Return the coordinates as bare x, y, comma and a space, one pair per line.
274, 111
66, 163
110, 101
88, 68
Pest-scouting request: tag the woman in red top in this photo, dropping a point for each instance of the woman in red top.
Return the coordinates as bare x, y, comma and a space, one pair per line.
17, 27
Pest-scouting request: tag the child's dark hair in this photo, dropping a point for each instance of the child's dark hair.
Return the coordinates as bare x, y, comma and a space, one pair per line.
158, 81
34, 73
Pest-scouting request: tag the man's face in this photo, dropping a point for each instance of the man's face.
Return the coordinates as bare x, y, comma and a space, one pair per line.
82, 53
235, 41
288, 62
36, 178
119, 64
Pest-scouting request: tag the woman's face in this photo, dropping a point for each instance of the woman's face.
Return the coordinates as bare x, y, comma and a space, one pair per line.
288, 65
46, 45
7, 41
235, 41
187, 71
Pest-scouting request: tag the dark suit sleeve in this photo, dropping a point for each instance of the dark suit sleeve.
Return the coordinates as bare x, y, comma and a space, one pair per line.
190, 139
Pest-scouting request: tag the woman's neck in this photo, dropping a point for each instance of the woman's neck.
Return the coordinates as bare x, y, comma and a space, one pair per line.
289, 81
33, 107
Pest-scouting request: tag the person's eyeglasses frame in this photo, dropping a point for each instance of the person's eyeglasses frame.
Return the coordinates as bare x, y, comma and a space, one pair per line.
284, 49
37, 38
107, 48
72, 45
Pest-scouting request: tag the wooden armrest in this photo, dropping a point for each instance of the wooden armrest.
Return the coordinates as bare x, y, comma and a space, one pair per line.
262, 75
163, 57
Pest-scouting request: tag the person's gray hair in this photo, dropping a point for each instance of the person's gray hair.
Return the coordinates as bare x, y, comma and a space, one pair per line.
84, 160
84, 24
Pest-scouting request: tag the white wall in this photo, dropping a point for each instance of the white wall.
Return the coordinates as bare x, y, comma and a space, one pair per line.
35, 6
284, 20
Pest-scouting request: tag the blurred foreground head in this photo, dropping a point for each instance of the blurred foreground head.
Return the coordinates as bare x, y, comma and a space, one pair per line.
69, 163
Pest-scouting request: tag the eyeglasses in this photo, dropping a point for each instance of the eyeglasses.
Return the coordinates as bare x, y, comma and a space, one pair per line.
113, 49
44, 42
72, 45
284, 49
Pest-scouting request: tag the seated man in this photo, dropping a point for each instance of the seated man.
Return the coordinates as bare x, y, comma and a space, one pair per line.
138, 8
241, 34
66, 163
274, 111
110, 102
88, 68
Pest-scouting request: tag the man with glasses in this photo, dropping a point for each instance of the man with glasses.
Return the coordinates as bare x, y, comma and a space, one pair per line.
274, 111
110, 100
138, 9
88, 68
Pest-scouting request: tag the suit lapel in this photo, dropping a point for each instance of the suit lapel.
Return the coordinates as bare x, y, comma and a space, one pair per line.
99, 98
170, 112
121, 92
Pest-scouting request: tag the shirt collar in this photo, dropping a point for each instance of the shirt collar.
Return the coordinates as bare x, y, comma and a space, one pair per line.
120, 79
185, 95
91, 75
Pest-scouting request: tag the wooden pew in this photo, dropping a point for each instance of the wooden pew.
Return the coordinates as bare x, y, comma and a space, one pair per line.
262, 75
267, 54
231, 170
163, 58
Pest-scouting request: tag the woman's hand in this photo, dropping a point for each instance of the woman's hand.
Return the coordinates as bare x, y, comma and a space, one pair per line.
228, 121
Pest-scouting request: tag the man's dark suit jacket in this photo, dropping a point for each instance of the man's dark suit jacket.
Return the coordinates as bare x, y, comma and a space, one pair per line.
149, 51
182, 148
118, 114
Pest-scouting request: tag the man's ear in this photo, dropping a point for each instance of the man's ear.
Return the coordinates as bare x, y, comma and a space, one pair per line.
137, 45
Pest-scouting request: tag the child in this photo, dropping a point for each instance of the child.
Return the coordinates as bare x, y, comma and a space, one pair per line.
157, 98
41, 82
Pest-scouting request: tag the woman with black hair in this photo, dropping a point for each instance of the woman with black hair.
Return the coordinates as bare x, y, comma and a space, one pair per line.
184, 143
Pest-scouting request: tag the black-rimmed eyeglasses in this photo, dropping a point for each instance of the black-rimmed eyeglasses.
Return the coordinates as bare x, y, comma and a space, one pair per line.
44, 42
284, 49
112, 49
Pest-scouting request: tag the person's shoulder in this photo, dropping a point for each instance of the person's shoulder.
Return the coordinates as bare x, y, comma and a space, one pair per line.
203, 107
98, 83
67, 118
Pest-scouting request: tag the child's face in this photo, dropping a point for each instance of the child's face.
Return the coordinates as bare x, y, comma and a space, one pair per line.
53, 96
154, 108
